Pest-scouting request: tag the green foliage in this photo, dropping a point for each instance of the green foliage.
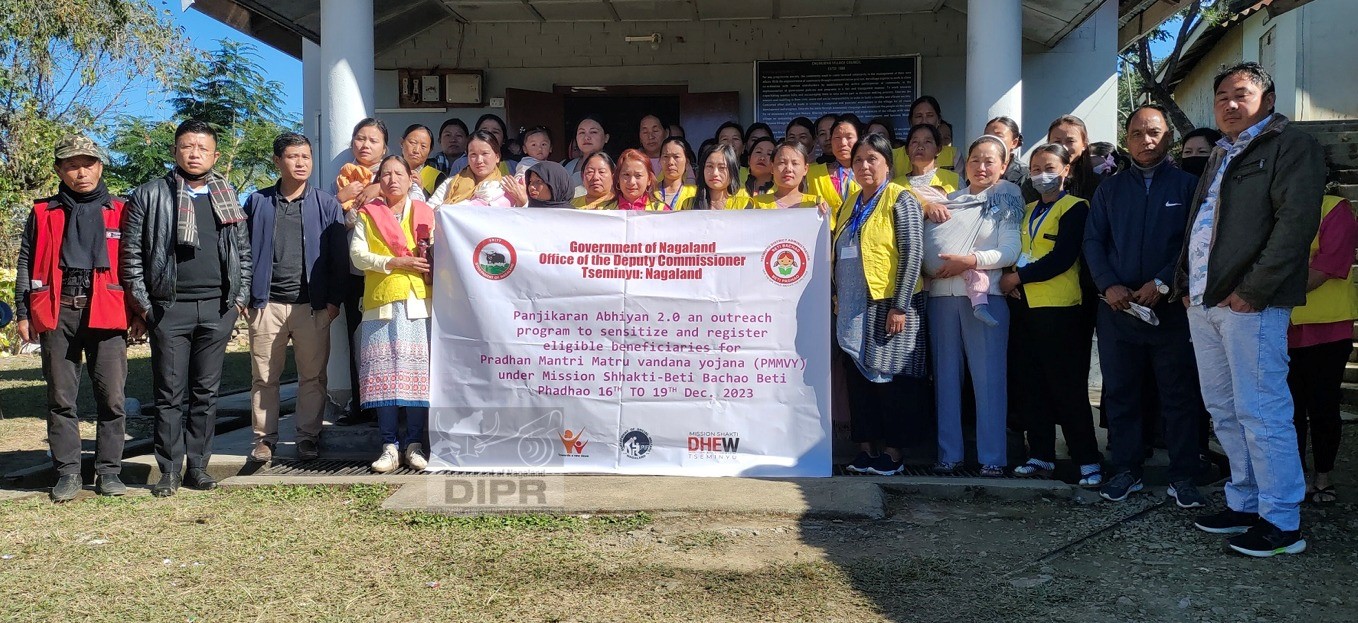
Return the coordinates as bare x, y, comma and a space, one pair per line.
227, 89
9, 336
67, 67
144, 152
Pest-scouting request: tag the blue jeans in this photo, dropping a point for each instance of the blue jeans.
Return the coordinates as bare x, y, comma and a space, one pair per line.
957, 338
388, 423
1242, 365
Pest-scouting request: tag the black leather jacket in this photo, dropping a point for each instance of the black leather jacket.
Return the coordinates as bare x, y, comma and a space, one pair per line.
147, 259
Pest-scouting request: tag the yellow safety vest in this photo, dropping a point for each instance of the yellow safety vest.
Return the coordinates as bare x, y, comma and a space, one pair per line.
429, 177
820, 184
380, 289
946, 157
877, 242
1062, 290
602, 203
738, 201
766, 201
1336, 300
686, 192
943, 178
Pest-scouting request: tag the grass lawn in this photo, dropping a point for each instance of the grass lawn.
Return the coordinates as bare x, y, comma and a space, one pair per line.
23, 399
331, 554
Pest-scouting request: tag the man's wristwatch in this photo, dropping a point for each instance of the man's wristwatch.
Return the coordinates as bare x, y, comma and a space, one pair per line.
1161, 287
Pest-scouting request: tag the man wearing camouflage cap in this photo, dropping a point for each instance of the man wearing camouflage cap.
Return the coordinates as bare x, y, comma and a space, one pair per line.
68, 298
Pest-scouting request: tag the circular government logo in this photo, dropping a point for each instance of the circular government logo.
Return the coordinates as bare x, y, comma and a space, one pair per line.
494, 258
635, 443
785, 262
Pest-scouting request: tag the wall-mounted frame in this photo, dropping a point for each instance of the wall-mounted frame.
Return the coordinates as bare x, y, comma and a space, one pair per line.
425, 88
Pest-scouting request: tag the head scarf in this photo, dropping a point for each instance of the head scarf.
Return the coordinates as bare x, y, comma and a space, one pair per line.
558, 180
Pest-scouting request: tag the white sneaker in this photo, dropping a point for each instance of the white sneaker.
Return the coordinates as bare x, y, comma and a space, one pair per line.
388, 461
413, 459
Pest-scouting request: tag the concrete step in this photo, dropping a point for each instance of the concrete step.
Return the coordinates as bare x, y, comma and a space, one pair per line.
231, 451
1350, 399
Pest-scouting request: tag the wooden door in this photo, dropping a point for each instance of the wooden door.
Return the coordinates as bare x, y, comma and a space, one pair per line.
525, 109
702, 113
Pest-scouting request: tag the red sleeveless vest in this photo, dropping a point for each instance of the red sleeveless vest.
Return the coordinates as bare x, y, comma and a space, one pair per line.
108, 307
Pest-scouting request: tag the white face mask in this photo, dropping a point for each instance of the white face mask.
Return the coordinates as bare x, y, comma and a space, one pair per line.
1045, 183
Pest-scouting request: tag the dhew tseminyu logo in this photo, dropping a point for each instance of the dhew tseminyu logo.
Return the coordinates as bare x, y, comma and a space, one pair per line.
494, 258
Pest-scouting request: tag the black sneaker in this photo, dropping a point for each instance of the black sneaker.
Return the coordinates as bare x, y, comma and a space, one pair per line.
860, 464
1227, 522
109, 484
1186, 495
1265, 540
1121, 486
67, 487
883, 465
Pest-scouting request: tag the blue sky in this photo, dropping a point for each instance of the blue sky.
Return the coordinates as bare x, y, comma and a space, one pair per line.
204, 32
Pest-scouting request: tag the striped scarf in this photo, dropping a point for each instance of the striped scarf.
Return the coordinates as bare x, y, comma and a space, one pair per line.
225, 206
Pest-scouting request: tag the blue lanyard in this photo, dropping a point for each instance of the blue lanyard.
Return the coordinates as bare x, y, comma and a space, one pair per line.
670, 202
841, 182
1036, 220
861, 211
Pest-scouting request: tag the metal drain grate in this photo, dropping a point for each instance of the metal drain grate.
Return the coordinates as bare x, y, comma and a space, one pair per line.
327, 467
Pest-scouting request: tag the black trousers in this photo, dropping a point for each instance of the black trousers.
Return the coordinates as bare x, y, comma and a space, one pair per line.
1052, 380
188, 348
1125, 359
885, 413
353, 295
1315, 376
63, 349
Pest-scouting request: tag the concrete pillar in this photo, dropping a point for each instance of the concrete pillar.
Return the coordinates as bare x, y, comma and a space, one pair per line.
994, 65
346, 76
312, 79
345, 81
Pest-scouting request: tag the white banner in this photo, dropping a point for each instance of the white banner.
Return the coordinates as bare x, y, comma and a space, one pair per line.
687, 343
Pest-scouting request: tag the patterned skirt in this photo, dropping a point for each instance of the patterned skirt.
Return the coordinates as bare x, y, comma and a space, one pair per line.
393, 361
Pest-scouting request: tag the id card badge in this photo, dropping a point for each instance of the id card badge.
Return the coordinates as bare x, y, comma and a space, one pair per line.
1024, 260
849, 252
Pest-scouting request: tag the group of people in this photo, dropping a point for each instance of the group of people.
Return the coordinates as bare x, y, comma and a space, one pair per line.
1218, 287
954, 273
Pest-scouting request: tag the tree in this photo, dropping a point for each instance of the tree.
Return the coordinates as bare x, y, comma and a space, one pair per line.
227, 89
1140, 59
68, 67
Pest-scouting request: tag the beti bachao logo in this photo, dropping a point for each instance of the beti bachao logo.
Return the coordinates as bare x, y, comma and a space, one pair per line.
785, 262
494, 258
